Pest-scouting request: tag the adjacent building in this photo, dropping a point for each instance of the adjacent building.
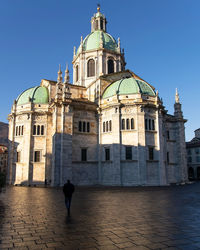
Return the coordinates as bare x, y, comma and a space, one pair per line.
3, 159
108, 127
193, 156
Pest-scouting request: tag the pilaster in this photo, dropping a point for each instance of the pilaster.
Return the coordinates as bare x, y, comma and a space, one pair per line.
142, 157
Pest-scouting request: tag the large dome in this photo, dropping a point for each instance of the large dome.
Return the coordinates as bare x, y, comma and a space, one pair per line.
36, 95
93, 41
128, 86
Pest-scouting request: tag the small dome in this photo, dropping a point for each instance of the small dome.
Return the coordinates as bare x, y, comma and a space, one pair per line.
128, 86
92, 41
36, 95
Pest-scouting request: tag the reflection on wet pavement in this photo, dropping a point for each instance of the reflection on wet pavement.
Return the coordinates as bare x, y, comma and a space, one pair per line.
101, 218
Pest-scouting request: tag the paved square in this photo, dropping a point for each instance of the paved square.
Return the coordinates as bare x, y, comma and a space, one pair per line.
101, 218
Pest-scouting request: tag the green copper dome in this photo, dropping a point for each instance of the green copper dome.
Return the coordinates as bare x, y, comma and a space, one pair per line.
128, 86
93, 41
36, 95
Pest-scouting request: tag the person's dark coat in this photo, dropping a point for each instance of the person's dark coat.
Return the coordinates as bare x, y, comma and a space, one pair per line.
68, 189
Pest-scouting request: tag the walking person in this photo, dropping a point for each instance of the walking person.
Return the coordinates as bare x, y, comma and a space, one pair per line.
68, 190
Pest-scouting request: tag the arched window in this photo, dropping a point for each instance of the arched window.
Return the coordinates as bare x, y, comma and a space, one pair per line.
149, 124
110, 66
153, 125
34, 130
104, 127
101, 24
110, 125
90, 68
80, 126
88, 127
16, 131
96, 25
42, 130
127, 124
84, 126
146, 124
107, 126
22, 129
38, 130
77, 73
123, 124
132, 123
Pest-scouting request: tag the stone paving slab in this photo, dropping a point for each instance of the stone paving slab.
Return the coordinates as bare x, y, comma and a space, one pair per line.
102, 218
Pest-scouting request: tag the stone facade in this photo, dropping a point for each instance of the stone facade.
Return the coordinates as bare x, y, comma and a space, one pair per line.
3, 159
90, 132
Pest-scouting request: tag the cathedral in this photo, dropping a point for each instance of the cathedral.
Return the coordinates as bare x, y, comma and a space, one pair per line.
108, 127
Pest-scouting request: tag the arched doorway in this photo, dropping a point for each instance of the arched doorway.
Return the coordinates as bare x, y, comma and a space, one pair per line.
191, 173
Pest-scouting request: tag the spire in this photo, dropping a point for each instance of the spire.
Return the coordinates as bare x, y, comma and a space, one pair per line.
66, 74
177, 97
74, 51
59, 79
98, 7
118, 47
177, 106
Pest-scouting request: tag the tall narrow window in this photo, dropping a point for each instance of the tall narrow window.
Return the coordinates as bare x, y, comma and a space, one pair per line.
18, 156
127, 124
77, 73
104, 127
110, 125
96, 25
149, 124
79, 126
132, 123
123, 124
90, 68
151, 153
167, 157
168, 136
107, 154
37, 156
34, 130
84, 154
38, 129
146, 124
22, 130
153, 125
19, 130
101, 23
88, 127
128, 153
16, 132
110, 66
107, 126
42, 130
84, 128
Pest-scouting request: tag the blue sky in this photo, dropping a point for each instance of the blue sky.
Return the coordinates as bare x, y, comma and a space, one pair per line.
161, 39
